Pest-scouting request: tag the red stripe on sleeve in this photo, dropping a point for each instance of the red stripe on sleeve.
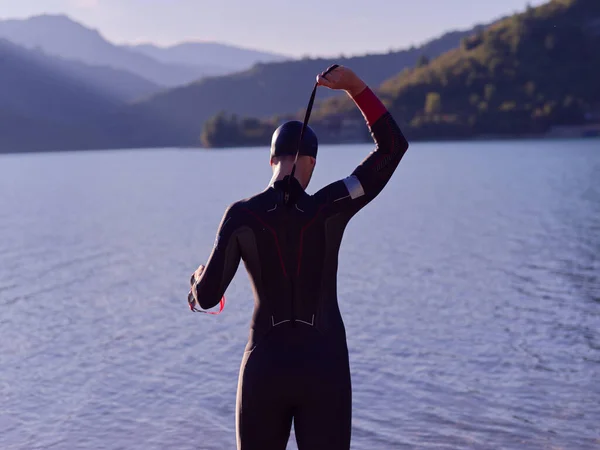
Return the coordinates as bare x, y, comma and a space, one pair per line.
369, 104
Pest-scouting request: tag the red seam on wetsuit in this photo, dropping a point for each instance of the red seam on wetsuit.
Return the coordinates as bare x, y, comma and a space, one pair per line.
302, 238
274, 235
370, 105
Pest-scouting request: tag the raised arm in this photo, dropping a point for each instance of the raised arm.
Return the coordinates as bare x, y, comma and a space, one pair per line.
374, 172
210, 283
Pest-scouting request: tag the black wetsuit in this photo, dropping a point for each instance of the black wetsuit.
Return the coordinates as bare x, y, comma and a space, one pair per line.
296, 360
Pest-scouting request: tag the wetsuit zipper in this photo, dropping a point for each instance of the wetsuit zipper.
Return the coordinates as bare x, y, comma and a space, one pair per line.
293, 293
293, 310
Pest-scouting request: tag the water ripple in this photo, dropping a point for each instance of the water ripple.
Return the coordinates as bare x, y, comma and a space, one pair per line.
474, 324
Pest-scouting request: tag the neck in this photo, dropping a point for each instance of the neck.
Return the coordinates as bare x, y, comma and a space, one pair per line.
282, 170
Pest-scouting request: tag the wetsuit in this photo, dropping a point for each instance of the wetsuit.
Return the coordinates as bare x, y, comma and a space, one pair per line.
296, 361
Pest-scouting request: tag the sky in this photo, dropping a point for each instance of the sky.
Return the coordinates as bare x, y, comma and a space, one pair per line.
294, 28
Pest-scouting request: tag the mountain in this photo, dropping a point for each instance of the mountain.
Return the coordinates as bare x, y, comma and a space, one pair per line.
118, 84
41, 89
226, 57
46, 106
521, 76
264, 90
58, 35
529, 73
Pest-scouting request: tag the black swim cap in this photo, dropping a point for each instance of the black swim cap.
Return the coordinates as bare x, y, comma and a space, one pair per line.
285, 140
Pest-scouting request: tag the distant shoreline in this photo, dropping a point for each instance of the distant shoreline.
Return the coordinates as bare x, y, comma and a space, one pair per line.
487, 138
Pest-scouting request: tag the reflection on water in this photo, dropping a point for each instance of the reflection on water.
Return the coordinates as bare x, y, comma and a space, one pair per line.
470, 290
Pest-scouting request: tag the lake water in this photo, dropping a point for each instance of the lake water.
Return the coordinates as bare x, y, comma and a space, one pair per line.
470, 290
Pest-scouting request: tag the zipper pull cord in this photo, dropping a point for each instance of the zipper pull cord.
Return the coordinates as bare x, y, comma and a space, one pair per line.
304, 125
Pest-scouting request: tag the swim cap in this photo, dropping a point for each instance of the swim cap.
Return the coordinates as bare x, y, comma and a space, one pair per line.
285, 140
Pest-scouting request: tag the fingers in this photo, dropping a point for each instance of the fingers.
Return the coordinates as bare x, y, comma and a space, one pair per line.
322, 81
196, 274
330, 69
331, 76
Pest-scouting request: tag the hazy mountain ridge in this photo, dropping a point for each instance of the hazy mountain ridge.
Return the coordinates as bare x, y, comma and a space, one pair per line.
39, 88
266, 89
46, 105
521, 76
118, 84
58, 35
227, 58
518, 75
61, 102
175, 117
